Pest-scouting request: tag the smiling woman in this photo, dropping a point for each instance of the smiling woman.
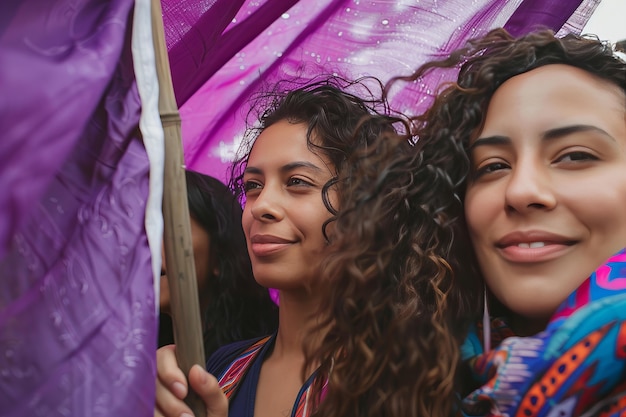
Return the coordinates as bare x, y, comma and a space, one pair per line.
321, 218
543, 120
233, 306
283, 182
552, 140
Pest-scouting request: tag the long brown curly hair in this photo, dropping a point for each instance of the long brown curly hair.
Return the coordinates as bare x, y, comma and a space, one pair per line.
389, 274
402, 283
399, 285
397, 298
459, 109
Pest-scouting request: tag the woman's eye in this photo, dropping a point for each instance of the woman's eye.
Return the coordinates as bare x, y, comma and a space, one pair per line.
297, 181
577, 156
250, 186
489, 169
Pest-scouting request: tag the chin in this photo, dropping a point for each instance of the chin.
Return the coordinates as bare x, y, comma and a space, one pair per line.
532, 311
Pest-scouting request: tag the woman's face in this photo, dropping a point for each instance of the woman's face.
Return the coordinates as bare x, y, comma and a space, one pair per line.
204, 262
546, 201
284, 212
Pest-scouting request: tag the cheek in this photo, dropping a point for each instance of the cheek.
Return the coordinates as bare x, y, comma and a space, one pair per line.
246, 221
246, 215
316, 218
479, 211
622, 208
603, 213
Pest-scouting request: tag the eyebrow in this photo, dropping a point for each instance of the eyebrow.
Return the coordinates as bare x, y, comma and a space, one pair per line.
550, 134
287, 168
568, 130
489, 140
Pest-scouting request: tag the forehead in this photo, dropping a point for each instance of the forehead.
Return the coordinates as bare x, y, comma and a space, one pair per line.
283, 143
556, 95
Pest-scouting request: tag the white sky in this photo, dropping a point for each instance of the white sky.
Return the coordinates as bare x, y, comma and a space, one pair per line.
608, 21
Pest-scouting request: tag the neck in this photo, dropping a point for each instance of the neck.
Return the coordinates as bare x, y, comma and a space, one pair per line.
297, 319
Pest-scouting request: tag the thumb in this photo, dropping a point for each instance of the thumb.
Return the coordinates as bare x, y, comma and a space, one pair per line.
208, 389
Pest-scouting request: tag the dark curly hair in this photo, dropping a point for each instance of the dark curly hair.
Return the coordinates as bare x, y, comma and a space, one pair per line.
396, 295
403, 281
397, 299
331, 109
238, 307
391, 341
459, 110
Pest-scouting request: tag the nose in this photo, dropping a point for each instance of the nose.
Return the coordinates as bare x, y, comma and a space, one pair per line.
529, 188
266, 206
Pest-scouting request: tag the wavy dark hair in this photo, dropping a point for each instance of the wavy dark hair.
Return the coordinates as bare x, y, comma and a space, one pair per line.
459, 110
390, 343
397, 298
331, 109
238, 307
398, 293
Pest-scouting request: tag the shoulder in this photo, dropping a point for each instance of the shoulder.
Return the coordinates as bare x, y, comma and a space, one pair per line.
226, 354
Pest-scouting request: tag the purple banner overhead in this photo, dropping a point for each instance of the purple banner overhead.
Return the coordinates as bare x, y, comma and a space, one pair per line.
77, 318
265, 41
541, 13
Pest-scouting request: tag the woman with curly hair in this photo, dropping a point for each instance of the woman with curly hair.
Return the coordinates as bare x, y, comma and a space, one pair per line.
234, 306
399, 287
542, 120
314, 221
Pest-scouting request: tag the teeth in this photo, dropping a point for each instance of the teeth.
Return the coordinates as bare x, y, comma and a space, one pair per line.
531, 245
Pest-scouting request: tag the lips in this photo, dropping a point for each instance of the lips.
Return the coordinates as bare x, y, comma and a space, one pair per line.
269, 239
266, 245
533, 239
533, 246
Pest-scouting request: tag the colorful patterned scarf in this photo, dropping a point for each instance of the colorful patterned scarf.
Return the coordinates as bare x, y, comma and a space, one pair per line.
576, 367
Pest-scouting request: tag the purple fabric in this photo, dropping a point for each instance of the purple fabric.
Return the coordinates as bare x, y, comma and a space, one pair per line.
197, 54
541, 13
263, 44
77, 322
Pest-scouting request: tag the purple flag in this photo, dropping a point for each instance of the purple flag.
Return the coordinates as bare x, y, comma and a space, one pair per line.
77, 315
77, 322
217, 66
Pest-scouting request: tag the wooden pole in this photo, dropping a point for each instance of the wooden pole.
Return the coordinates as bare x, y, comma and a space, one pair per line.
181, 272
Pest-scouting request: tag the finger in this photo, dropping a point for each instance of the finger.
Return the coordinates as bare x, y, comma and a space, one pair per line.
167, 403
207, 387
168, 372
171, 385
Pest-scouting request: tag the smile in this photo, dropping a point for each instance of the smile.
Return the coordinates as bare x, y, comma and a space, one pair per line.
533, 252
266, 249
532, 245
267, 245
